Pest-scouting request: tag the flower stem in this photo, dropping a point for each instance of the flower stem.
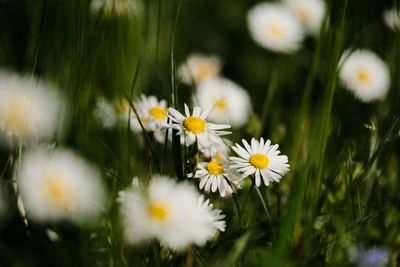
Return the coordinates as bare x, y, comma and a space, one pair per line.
264, 201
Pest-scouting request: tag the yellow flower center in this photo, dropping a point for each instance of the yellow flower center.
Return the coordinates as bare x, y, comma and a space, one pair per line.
221, 104
194, 124
304, 13
363, 76
58, 192
204, 71
158, 113
214, 167
259, 161
123, 106
158, 212
16, 118
276, 31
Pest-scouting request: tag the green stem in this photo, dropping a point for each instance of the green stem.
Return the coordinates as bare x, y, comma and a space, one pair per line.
264, 201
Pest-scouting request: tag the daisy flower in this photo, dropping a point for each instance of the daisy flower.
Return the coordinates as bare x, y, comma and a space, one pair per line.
198, 68
222, 148
216, 175
262, 159
391, 17
169, 212
30, 111
194, 127
309, 12
364, 74
154, 114
104, 112
231, 103
114, 7
274, 27
57, 185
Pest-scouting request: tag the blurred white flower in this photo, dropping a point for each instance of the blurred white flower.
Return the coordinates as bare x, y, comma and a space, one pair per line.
365, 74
261, 159
154, 115
231, 103
125, 113
197, 68
115, 7
105, 113
275, 27
194, 127
170, 212
58, 184
216, 175
391, 17
222, 148
309, 12
29, 110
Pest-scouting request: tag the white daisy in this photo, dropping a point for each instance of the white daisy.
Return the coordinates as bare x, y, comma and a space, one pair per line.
365, 74
194, 127
168, 211
154, 114
29, 110
274, 27
115, 7
198, 68
231, 103
261, 159
309, 12
391, 17
105, 113
57, 185
216, 175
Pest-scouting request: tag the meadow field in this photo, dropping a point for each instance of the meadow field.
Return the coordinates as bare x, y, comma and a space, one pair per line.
199, 133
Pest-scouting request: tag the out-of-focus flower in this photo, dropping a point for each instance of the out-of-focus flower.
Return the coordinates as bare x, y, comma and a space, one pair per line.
309, 12
262, 159
216, 175
58, 184
391, 17
364, 74
170, 212
105, 113
197, 68
275, 27
29, 110
115, 7
154, 114
194, 127
231, 103
125, 113
372, 257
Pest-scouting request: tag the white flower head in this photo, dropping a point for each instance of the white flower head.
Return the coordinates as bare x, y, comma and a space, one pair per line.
231, 103
221, 148
29, 110
105, 113
274, 27
309, 12
194, 127
170, 212
391, 17
364, 74
217, 175
197, 68
262, 159
153, 114
115, 7
126, 114
57, 185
